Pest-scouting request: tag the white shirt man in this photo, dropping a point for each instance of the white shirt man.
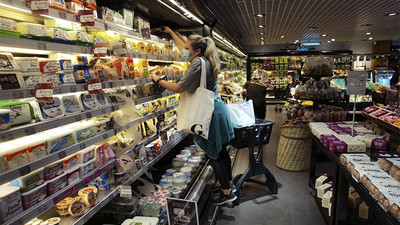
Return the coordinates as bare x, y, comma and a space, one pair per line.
259, 74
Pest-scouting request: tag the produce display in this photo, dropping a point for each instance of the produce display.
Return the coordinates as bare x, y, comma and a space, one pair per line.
385, 114
316, 90
318, 67
324, 113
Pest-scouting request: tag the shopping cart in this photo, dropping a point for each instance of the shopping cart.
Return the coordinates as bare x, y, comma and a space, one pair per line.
252, 136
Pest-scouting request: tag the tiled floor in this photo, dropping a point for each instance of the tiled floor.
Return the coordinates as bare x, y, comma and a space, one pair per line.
293, 205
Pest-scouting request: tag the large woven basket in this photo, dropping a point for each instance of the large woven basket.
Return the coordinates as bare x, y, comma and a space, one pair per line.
294, 149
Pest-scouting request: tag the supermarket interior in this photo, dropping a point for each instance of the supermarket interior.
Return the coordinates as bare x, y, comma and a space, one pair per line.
199, 112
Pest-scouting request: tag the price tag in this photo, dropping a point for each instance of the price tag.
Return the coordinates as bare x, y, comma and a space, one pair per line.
43, 208
10, 136
89, 115
82, 146
105, 136
78, 118
72, 89
86, 180
62, 155
42, 45
125, 191
30, 130
18, 94
38, 6
70, 191
103, 111
43, 92
100, 50
24, 170
62, 15
86, 18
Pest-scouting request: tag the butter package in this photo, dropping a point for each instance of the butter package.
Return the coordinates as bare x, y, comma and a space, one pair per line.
56, 184
65, 64
8, 24
34, 196
71, 104
14, 153
53, 170
31, 79
29, 181
32, 29
10, 203
57, 140
58, 34
88, 101
48, 66
28, 64
50, 110
67, 78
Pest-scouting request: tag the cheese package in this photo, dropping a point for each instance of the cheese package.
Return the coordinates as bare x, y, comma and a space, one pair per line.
102, 100
88, 101
128, 17
77, 209
53, 170
28, 64
29, 181
84, 131
86, 154
21, 112
149, 49
78, 36
10, 203
56, 184
70, 162
73, 175
58, 4
74, 7
14, 153
85, 191
8, 62
52, 78
34, 196
88, 167
101, 126
67, 78
50, 110
48, 66
58, 34
81, 75
32, 29
106, 14
5, 119
327, 199
65, 64
9, 81
59, 139
29, 80
321, 190
8, 24
71, 104
36, 147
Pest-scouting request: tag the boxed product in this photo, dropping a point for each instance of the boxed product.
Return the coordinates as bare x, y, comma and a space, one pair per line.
88, 101
71, 104
101, 126
56, 184
102, 100
48, 66
84, 131
88, 167
36, 147
9, 80
50, 110
10, 203
58, 34
65, 64
86, 154
57, 4
91, 4
14, 153
70, 162
74, 7
53, 170
58, 139
34, 196
78, 36
128, 17
73, 175
52, 78
32, 29
31, 79
28, 64
29, 181
8, 24
67, 78
21, 112
81, 75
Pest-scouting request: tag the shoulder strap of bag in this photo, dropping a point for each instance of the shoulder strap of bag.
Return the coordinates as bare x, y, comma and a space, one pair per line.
203, 78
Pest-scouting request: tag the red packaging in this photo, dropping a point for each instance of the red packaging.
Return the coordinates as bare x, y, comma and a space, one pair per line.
94, 86
38, 6
43, 92
86, 17
48, 66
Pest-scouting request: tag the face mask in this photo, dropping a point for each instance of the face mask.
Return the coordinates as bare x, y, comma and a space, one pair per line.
186, 55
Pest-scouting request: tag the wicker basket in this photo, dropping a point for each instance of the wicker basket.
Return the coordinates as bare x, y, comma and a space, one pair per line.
294, 148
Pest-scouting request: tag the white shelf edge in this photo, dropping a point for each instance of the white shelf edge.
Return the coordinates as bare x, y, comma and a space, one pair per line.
51, 200
31, 166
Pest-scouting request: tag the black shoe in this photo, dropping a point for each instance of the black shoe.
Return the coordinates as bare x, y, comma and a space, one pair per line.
222, 199
233, 188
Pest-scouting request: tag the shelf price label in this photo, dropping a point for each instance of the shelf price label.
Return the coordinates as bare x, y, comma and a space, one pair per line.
38, 6
87, 180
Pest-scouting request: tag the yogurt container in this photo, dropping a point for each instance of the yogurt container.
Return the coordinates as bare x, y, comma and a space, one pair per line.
88, 167
29, 181
86, 154
53, 170
73, 175
56, 184
34, 196
10, 202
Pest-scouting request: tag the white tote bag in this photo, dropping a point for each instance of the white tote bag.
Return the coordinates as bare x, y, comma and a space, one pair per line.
241, 113
195, 109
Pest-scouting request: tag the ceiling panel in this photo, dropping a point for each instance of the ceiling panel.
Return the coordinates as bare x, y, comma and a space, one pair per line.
344, 20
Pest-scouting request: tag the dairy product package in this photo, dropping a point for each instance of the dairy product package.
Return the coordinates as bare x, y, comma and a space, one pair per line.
34, 196
50, 110
21, 112
10, 202
32, 29
71, 104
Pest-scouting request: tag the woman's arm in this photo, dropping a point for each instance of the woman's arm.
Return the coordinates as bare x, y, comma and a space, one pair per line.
168, 85
177, 40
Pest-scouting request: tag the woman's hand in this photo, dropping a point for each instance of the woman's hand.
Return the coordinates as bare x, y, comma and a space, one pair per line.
154, 76
168, 30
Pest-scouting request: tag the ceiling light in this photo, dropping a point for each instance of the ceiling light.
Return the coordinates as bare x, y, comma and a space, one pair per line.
260, 26
328, 41
371, 38
296, 40
282, 36
16, 8
24, 50
392, 14
262, 38
228, 44
186, 12
311, 43
262, 43
312, 28
368, 33
261, 33
260, 15
324, 35
333, 39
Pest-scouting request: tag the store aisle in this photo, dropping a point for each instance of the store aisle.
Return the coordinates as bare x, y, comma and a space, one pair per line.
293, 205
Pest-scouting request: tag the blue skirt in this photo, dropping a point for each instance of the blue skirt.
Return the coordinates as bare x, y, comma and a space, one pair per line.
221, 130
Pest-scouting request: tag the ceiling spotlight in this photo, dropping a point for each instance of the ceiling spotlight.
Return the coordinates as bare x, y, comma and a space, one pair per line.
368, 33
260, 15
262, 43
333, 39
371, 38
324, 35
262, 38
392, 14
282, 36
260, 26
261, 33
328, 41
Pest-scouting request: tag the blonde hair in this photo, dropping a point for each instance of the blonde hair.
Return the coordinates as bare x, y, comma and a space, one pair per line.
208, 50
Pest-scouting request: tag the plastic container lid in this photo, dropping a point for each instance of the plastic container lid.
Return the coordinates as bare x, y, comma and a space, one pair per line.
33, 190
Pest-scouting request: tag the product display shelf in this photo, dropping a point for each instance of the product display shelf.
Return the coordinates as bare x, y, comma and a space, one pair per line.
47, 47
279, 70
104, 197
342, 179
145, 118
324, 211
154, 57
50, 201
119, 83
33, 128
31, 166
392, 129
153, 97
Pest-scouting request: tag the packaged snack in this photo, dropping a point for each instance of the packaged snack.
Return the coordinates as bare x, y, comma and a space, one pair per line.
56, 184
10, 203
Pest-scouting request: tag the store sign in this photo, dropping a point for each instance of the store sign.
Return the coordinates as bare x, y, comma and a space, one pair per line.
182, 212
356, 81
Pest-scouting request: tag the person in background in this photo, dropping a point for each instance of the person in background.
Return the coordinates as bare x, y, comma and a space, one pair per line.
260, 74
256, 91
395, 80
221, 129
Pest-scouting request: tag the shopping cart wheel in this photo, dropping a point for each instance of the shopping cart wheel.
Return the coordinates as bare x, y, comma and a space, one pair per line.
280, 109
276, 108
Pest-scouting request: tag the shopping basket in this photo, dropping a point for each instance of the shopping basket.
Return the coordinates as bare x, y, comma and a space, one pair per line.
240, 140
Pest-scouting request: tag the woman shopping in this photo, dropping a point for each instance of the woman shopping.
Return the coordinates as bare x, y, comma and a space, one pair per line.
221, 130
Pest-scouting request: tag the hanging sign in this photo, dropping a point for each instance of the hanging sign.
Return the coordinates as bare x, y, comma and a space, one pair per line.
38, 6
356, 82
182, 212
94, 86
43, 92
86, 17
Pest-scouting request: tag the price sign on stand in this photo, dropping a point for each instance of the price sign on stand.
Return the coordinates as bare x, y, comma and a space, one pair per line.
38, 6
356, 86
94, 86
86, 17
100, 50
182, 211
43, 92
